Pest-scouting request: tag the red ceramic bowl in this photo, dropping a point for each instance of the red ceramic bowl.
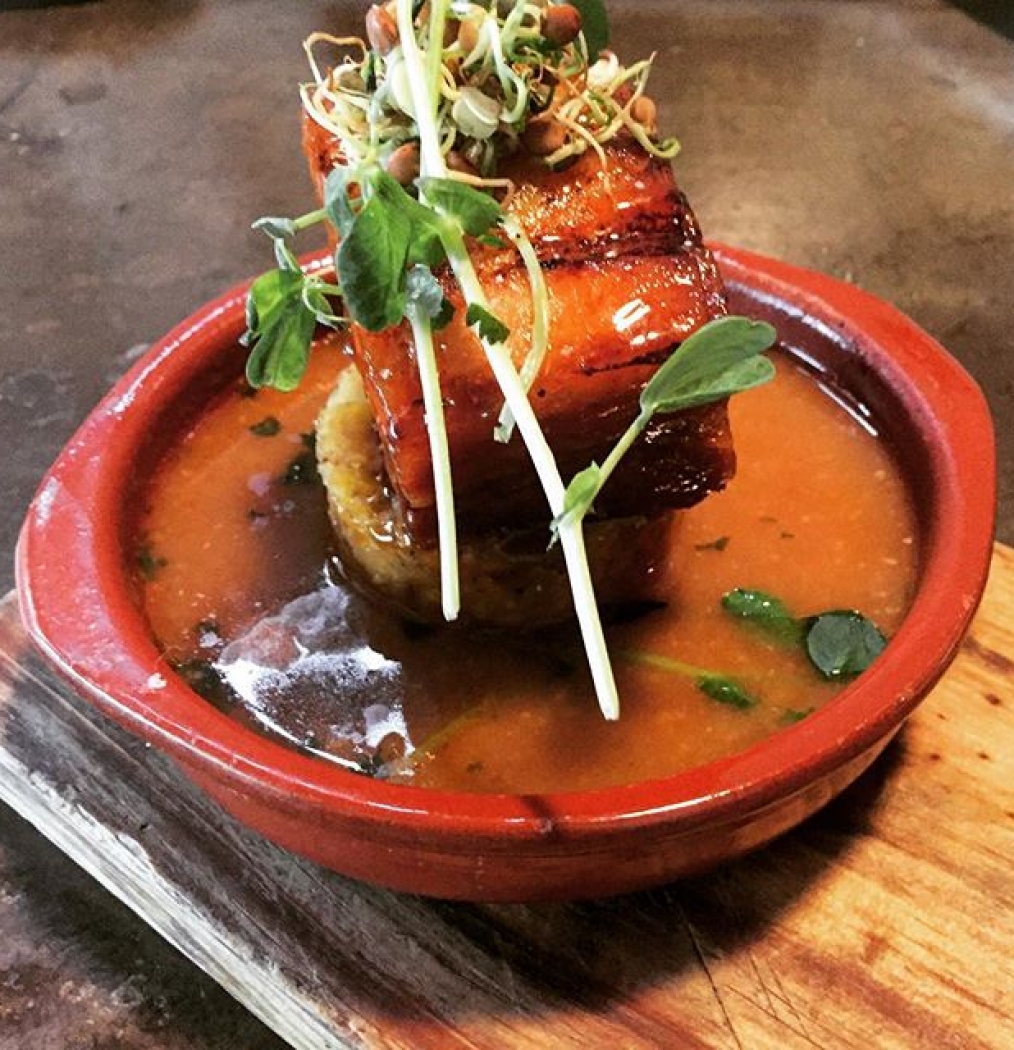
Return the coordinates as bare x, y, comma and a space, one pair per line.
80, 611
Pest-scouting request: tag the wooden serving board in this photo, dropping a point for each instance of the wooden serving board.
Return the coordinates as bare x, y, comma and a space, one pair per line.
887, 921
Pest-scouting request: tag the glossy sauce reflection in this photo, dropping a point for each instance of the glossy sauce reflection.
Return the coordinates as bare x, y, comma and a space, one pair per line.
234, 555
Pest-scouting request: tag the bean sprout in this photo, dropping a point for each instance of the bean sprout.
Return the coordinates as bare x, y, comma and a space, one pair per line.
361, 99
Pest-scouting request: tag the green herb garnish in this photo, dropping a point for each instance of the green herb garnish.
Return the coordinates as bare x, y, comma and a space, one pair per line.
719, 359
718, 544
283, 308
386, 233
489, 327
717, 685
279, 329
726, 691
791, 716
767, 614
474, 211
840, 644
269, 426
594, 25
150, 563
372, 261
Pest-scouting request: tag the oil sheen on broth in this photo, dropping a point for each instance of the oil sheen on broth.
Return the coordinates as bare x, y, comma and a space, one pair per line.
234, 574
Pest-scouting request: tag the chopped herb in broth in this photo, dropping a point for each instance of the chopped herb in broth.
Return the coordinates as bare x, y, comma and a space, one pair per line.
149, 563
305, 659
715, 545
840, 643
726, 690
764, 613
267, 427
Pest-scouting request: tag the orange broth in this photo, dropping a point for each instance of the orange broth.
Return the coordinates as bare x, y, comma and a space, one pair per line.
235, 528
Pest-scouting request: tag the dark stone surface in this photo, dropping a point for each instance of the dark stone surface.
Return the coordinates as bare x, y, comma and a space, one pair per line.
871, 140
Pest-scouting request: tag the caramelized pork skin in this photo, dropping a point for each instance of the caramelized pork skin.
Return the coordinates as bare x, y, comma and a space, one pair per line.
628, 280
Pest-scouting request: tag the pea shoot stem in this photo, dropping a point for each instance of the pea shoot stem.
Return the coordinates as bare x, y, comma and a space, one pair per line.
423, 101
540, 319
571, 534
665, 663
436, 429
432, 164
311, 218
620, 449
435, 51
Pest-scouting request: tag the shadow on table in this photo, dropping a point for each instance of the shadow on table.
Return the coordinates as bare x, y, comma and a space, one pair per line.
591, 955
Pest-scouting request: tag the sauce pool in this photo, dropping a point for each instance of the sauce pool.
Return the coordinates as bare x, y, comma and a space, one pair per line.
236, 578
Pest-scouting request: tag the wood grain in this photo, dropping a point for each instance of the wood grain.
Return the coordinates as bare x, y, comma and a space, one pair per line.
887, 921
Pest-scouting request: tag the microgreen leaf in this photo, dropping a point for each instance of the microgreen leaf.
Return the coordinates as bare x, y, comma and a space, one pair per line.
388, 233
477, 212
286, 257
337, 202
719, 359
276, 227
425, 245
371, 264
765, 612
425, 291
726, 690
843, 643
279, 330
488, 325
714, 684
594, 25
578, 498
315, 299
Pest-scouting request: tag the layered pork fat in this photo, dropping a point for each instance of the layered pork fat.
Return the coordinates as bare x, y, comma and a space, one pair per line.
628, 280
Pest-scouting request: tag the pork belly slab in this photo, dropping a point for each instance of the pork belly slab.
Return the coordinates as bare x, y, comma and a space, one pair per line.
628, 280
